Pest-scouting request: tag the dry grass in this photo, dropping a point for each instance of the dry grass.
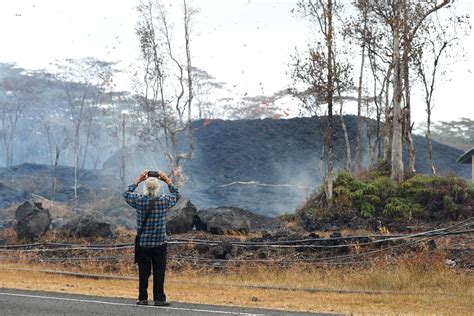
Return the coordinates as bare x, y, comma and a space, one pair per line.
446, 291
425, 284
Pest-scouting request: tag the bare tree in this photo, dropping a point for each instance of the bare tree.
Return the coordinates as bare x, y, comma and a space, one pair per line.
83, 83
390, 14
204, 86
119, 127
318, 74
426, 56
397, 132
18, 90
348, 166
378, 97
55, 144
404, 19
362, 34
166, 90
371, 29
11, 110
413, 18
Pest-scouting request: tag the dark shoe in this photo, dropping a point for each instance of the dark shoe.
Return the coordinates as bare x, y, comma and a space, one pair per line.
162, 303
141, 302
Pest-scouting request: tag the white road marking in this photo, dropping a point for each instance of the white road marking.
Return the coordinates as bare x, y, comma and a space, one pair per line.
125, 304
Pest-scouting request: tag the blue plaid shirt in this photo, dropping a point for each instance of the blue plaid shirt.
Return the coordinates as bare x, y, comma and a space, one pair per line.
154, 232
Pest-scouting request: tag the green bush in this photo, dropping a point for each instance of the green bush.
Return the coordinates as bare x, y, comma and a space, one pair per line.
402, 208
376, 195
449, 205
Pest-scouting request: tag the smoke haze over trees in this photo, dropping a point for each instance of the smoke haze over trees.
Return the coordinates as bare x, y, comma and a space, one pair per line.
74, 115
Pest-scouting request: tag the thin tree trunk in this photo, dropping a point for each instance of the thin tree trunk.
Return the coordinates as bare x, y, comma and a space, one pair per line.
86, 147
397, 134
346, 138
189, 79
9, 133
321, 162
387, 135
50, 145
76, 162
407, 111
176, 173
429, 89
430, 142
376, 150
378, 106
122, 153
330, 89
55, 180
409, 35
379, 131
97, 158
9, 156
358, 153
369, 137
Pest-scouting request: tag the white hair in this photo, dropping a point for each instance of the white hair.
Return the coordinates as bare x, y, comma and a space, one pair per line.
152, 187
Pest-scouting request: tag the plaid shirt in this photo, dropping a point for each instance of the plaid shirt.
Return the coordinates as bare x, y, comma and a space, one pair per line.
154, 232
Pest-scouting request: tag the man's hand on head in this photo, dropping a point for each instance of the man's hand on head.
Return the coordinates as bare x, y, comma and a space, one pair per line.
141, 177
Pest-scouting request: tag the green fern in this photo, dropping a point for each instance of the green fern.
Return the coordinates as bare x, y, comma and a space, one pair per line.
449, 205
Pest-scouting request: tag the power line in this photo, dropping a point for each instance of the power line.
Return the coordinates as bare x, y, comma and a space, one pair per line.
276, 244
458, 228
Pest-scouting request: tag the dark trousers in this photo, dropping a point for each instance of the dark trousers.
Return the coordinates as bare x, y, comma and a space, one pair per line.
148, 257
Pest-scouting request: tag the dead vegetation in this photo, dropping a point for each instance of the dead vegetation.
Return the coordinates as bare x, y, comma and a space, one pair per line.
415, 279
415, 285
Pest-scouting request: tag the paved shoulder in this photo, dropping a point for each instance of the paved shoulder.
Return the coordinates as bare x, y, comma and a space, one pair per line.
20, 302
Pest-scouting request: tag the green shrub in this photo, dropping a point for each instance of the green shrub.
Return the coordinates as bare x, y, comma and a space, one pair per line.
366, 209
376, 195
449, 205
342, 197
470, 191
402, 208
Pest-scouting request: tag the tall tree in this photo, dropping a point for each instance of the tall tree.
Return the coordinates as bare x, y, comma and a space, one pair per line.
397, 134
427, 55
18, 90
404, 19
318, 76
363, 8
413, 18
373, 29
84, 84
166, 91
204, 86
369, 34
119, 127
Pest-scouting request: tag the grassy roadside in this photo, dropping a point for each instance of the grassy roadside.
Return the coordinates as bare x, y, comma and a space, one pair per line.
446, 291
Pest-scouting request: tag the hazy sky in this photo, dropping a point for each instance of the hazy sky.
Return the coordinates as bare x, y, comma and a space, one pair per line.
246, 43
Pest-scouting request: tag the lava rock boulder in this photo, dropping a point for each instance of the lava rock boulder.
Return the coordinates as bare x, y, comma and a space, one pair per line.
181, 217
87, 225
222, 220
32, 221
222, 251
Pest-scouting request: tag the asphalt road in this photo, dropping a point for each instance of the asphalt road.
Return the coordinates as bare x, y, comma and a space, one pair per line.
20, 302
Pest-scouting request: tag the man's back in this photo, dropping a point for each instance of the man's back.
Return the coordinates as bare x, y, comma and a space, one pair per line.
154, 230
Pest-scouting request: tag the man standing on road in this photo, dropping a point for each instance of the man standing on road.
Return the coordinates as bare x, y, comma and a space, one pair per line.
152, 209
